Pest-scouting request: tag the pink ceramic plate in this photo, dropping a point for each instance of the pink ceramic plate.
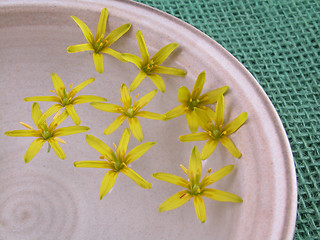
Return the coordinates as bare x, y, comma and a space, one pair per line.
50, 199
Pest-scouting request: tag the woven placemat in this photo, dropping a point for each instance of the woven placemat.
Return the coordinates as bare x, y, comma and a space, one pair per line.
279, 43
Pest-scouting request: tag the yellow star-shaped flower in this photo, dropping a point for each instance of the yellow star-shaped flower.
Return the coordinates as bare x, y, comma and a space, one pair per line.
45, 133
192, 102
130, 111
65, 99
99, 44
151, 66
116, 161
196, 189
215, 132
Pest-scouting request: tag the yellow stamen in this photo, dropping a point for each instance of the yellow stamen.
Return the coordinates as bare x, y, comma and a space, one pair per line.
124, 164
70, 87
224, 132
190, 100
184, 169
52, 91
101, 157
59, 140
198, 190
136, 97
26, 125
55, 116
198, 100
115, 146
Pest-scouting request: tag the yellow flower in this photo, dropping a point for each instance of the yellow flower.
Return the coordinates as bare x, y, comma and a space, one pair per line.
150, 66
129, 111
45, 133
192, 102
64, 99
117, 161
196, 189
99, 44
216, 132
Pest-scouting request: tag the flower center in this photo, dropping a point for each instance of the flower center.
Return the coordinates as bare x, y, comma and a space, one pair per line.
149, 66
46, 134
193, 103
195, 189
100, 43
65, 101
130, 112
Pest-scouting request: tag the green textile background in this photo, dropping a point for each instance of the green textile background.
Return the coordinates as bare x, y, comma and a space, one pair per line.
279, 43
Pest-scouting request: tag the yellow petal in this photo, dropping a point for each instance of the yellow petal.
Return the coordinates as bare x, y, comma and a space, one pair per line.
85, 30
113, 53
144, 100
51, 110
58, 120
33, 149
114, 125
136, 177
205, 121
107, 107
164, 53
212, 96
158, 82
100, 146
125, 96
69, 130
219, 114
133, 59
200, 208
101, 28
23, 133
117, 33
79, 87
221, 196
175, 112
175, 201
42, 98
230, 146
208, 148
87, 99
142, 47
36, 113
137, 80
216, 176
151, 115
195, 163
184, 95
98, 62
123, 143
135, 128
194, 137
209, 112
58, 84
80, 48
107, 183
198, 86
92, 164
236, 123
73, 114
169, 70
170, 178
192, 120
138, 151
58, 150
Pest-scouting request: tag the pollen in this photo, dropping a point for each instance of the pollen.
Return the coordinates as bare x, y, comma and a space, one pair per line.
52, 91
115, 146
101, 157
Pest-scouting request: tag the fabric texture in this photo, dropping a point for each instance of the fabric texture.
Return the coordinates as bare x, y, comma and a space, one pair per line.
279, 43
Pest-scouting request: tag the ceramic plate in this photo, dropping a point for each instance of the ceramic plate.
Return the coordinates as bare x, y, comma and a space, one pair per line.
49, 198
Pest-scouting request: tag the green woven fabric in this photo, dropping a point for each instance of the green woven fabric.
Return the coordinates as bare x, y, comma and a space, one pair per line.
279, 43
